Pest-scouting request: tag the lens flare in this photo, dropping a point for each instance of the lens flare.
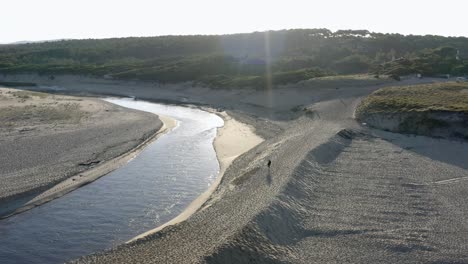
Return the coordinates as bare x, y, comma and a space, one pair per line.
268, 75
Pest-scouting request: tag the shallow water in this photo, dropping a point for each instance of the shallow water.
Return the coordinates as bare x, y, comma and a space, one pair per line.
151, 189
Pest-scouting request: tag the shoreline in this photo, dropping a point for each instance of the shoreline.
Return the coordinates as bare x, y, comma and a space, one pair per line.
94, 173
226, 153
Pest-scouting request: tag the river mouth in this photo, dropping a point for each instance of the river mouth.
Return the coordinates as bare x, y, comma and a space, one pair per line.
148, 191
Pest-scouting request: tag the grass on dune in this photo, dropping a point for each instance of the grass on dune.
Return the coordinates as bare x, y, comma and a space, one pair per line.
450, 97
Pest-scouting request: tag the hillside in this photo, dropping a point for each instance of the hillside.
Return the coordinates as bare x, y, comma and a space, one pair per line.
439, 109
239, 60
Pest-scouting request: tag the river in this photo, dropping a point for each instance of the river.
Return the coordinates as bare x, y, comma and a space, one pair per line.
148, 191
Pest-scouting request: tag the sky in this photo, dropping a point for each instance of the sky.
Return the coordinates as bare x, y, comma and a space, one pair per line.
34, 20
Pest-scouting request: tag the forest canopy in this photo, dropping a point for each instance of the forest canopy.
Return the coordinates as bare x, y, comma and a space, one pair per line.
288, 56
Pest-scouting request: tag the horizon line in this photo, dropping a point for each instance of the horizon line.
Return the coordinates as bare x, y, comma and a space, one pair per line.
20, 42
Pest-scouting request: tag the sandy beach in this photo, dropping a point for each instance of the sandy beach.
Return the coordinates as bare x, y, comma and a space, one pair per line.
336, 191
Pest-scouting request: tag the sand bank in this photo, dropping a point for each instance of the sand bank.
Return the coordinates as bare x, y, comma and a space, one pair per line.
53, 144
95, 173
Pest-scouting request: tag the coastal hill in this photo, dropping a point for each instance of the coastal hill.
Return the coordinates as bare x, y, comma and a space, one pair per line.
438, 109
240, 60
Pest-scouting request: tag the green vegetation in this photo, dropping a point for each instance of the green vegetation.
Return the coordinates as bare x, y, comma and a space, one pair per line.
429, 62
439, 109
241, 59
16, 84
451, 97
